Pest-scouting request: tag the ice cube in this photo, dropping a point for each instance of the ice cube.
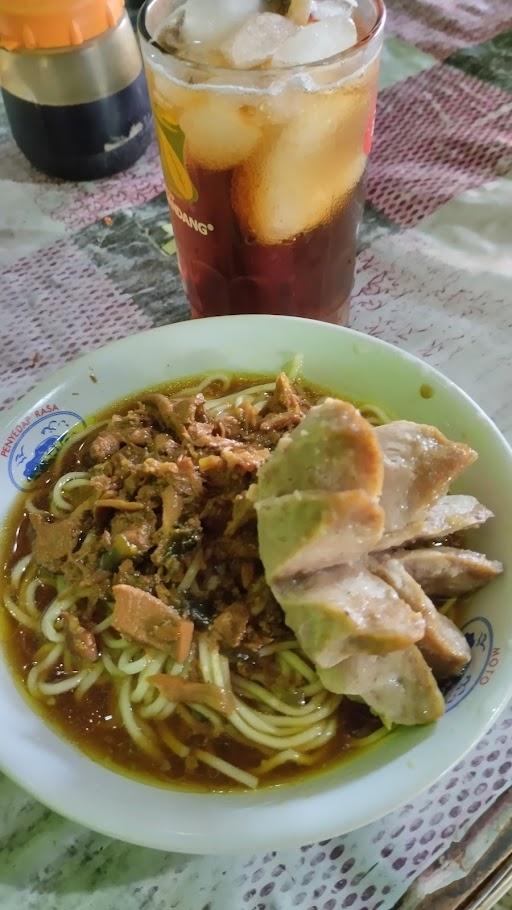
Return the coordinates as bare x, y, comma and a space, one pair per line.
257, 40
173, 96
283, 197
283, 103
168, 34
324, 9
210, 22
220, 132
294, 182
317, 41
325, 115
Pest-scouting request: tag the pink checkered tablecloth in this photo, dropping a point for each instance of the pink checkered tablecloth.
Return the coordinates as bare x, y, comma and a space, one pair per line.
82, 264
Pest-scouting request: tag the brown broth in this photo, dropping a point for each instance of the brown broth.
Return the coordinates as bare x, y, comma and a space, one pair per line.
92, 724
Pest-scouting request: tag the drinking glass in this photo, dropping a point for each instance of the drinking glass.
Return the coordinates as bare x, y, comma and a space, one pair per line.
264, 172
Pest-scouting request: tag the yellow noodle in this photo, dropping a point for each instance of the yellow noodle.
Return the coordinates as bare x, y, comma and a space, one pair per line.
131, 725
157, 707
226, 672
277, 647
170, 740
62, 685
118, 644
261, 694
371, 738
223, 378
329, 706
143, 687
284, 668
51, 615
282, 758
18, 570
89, 680
191, 572
217, 669
42, 667
43, 650
160, 706
30, 622
263, 728
216, 405
28, 594
184, 712
226, 768
103, 625
130, 664
300, 665
109, 665
70, 480
328, 731
209, 714
313, 688
204, 660
165, 712
258, 723
303, 738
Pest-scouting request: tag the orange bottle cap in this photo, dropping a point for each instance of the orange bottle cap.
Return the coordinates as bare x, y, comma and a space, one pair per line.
39, 24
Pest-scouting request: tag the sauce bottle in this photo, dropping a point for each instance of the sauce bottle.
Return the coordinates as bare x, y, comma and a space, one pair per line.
73, 86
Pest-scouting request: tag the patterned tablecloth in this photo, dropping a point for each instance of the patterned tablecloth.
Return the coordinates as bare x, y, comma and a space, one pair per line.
82, 264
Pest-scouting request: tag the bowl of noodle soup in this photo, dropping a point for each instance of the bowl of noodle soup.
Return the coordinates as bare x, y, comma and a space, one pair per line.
100, 721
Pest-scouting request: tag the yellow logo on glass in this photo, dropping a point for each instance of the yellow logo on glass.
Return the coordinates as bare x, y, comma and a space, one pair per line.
171, 139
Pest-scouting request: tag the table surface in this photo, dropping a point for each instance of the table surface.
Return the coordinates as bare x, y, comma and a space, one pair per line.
83, 264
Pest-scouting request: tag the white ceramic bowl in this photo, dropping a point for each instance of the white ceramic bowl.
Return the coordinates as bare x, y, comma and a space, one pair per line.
360, 790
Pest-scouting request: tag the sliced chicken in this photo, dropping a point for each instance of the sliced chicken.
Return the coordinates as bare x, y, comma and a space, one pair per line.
448, 571
347, 609
420, 463
333, 448
443, 645
448, 515
303, 532
80, 640
283, 409
183, 691
399, 687
55, 540
175, 413
150, 621
230, 626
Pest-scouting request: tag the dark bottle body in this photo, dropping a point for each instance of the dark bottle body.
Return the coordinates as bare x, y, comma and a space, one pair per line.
82, 113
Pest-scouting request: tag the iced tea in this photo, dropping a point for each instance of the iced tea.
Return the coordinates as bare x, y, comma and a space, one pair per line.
264, 156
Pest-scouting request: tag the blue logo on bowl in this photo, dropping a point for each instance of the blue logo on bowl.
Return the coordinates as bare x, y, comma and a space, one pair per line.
36, 443
43, 452
484, 659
